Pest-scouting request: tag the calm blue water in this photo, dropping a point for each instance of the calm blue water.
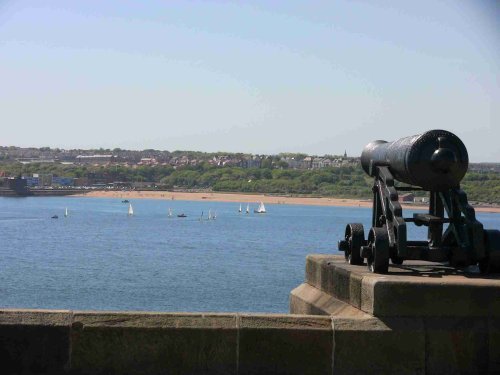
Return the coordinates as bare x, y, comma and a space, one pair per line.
98, 258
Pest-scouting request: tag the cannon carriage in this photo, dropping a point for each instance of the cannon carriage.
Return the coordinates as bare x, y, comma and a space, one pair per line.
435, 162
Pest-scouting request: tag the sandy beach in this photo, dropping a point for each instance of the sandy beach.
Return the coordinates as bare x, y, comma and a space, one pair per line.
250, 198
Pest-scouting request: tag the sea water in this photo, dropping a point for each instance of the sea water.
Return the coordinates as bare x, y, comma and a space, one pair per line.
100, 258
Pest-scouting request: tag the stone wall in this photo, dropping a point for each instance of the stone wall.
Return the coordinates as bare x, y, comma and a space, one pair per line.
83, 342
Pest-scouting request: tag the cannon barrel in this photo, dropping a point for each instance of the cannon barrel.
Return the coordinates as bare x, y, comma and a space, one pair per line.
436, 160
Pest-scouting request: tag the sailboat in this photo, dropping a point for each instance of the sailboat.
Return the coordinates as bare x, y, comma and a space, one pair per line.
130, 209
66, 212
248, 209
261, 209
209, 215
240, 209
215, 215
170, 212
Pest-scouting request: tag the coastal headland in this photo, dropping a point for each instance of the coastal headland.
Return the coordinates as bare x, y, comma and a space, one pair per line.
251, 198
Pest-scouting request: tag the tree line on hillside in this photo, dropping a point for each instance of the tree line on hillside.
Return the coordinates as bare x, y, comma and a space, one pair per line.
343, 182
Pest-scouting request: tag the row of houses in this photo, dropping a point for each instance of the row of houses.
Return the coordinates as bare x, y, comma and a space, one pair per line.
255, 161
175, 159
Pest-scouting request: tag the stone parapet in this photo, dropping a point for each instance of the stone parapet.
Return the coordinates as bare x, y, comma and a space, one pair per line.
90, 342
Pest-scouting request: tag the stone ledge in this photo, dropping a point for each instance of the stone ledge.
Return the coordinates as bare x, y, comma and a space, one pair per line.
25, 317
414, 289
140, 319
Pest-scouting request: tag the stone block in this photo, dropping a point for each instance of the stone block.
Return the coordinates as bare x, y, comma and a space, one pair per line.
355, 289
374, 346
284, 344
314, 269
149, 343
457, 346
306, 299
34, 342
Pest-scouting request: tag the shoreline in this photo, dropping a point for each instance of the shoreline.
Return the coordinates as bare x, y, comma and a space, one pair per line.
251, 198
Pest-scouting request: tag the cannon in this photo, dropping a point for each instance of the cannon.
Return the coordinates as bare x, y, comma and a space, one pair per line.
434, 162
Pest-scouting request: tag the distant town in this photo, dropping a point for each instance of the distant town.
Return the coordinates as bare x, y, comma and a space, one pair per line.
175, 159
284, 173
132, 158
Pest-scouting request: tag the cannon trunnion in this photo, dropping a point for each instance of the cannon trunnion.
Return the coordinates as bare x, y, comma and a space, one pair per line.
435, 161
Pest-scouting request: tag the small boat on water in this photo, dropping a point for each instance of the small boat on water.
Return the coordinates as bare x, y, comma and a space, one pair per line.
170, 214
248, 209
182, 215
209, 214
125, 201
261, 209
130, 210
240, 209
66, 212
54, 217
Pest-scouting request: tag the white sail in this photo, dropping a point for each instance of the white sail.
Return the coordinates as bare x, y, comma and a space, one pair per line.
169, 212
261, 209
66, 212
130, 209
240, 208
215, 215
248, 209
209, 214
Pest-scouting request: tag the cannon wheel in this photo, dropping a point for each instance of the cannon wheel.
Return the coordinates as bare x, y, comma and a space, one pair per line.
378, 261
491, 264
355, 236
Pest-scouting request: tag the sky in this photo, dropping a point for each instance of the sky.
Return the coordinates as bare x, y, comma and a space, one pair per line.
318, 77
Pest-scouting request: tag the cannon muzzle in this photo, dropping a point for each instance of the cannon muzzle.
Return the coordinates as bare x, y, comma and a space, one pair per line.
436, 160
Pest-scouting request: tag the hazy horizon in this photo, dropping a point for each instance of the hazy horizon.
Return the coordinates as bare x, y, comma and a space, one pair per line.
263, 77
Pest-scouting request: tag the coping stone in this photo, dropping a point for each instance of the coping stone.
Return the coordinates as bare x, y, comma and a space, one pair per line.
152, 343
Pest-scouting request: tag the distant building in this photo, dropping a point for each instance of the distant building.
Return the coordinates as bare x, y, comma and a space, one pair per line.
81, 181
318, 163
32, 181
15, 185
44, 179
35, 160
252, 162
62, 181
306, 163
148, 161
95, 159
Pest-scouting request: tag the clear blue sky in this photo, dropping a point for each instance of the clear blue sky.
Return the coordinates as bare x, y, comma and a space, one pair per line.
266, 77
